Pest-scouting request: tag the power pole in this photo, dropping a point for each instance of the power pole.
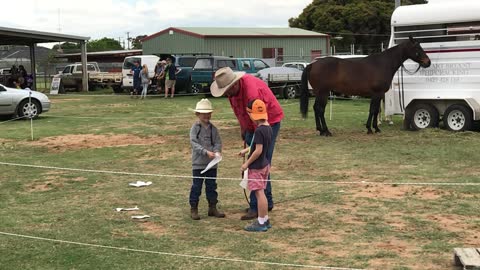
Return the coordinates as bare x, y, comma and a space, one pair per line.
128, 40
398, 3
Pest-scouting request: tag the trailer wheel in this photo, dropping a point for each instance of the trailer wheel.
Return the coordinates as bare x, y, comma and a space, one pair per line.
423, 116
457, 118
290, 91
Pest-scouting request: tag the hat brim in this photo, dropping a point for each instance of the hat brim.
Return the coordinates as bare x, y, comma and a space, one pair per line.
218, 92
259, 116
200, 111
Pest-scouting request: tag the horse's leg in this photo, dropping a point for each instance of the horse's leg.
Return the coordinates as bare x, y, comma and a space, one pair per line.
376, 110
316, 109
370, 116
323, 103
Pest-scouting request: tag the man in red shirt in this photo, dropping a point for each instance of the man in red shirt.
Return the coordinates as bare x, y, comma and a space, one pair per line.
241, 88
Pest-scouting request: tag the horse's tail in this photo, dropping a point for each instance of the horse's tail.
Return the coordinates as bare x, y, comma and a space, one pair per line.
304, 92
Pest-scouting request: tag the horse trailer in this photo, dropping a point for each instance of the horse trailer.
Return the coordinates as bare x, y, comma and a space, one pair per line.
449, 90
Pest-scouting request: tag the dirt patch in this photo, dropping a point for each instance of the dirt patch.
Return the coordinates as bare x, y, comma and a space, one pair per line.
46, 186
395, 192
65, 100
152, 228
86, 141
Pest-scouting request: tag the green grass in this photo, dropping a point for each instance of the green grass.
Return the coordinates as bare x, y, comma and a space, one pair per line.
370, 226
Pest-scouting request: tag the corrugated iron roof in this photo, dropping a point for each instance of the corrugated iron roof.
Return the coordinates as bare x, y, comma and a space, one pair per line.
253, 32
241, 31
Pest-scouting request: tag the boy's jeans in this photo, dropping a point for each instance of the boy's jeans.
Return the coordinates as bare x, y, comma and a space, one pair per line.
268, 190
210, 186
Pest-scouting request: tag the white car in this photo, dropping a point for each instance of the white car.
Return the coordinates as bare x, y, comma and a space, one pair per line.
18, 102
298, 65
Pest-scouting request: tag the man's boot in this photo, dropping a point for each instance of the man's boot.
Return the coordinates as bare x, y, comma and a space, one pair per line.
213, 211
249, 215
194, 212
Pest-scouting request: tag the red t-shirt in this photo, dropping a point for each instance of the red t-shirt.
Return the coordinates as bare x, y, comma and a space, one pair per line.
253, 88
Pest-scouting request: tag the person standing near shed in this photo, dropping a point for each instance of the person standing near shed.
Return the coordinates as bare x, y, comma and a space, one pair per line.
240, 88
137, 83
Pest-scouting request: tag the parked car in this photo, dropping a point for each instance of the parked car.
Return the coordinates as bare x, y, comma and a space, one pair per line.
251, 65
16, 102
298, 65
203, 72
185, 64
72, 77
128, 63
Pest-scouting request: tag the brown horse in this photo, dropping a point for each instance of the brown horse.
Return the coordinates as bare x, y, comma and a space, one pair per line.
370, 76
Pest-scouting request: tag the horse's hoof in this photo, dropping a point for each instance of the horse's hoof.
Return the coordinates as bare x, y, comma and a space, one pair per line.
378, 131
369, 132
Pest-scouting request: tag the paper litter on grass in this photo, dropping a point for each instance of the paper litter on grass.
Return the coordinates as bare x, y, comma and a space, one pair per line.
244, 182
127, 209
140, 217
215, 161
140, 184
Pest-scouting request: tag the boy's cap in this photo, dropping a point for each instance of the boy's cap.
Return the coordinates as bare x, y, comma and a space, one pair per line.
203, 106
257, 110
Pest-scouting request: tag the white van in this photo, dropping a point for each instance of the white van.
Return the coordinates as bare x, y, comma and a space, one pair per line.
449, 90
128, 63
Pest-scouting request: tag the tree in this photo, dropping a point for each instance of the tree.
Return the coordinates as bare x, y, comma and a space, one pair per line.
104, 44
137, 42
66, 47
363, 22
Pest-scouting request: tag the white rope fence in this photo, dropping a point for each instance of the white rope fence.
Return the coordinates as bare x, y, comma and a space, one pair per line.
13, 119
175, 254
238, 179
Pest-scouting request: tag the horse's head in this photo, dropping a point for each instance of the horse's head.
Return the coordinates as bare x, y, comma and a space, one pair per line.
415, 52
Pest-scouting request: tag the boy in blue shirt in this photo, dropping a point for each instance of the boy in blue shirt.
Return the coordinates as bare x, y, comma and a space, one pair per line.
257, 163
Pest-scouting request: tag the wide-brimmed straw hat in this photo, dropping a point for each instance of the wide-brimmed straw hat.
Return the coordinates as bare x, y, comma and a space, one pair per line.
203, 106
224, 79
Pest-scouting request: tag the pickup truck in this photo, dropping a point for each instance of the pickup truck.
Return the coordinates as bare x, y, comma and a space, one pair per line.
72, 77
284, 81
203, 71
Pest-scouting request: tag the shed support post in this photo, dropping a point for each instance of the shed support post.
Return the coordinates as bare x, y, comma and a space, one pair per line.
83, 46
32, 65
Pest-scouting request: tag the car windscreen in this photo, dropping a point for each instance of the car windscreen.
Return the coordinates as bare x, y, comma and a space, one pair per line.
227, 63
186, 61
203, 63
129, 62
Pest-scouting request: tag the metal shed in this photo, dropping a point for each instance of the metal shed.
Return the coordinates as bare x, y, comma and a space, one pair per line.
15, 36
283, 44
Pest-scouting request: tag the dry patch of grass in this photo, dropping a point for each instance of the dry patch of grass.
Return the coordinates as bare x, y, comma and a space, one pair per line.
86, 141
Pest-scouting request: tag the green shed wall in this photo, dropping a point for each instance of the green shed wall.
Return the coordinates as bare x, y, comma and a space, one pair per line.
237, 47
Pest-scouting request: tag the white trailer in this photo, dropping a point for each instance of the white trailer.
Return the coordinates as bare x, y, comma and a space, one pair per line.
449, 90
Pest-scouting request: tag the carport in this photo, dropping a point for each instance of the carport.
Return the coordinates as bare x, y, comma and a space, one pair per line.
30, 38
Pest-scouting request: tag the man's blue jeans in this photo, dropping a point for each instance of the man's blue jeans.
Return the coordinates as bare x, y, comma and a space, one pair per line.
210, 187
268, 190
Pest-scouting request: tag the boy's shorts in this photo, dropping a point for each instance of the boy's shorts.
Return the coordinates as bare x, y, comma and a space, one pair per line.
257, 178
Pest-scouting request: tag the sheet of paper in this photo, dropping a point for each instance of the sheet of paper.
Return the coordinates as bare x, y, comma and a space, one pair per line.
127, 209
216, 160
140, 184
140, 217
244, 182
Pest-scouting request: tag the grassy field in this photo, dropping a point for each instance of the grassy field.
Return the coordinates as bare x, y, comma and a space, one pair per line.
374, 225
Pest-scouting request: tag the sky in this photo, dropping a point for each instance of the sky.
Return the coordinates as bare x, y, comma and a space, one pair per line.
114, 18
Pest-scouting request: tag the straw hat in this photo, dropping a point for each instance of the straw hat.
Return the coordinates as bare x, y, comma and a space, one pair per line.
203, 106
224, 79
257, 110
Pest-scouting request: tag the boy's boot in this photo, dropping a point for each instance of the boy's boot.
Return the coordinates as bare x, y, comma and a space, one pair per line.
213, 211
194, 212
